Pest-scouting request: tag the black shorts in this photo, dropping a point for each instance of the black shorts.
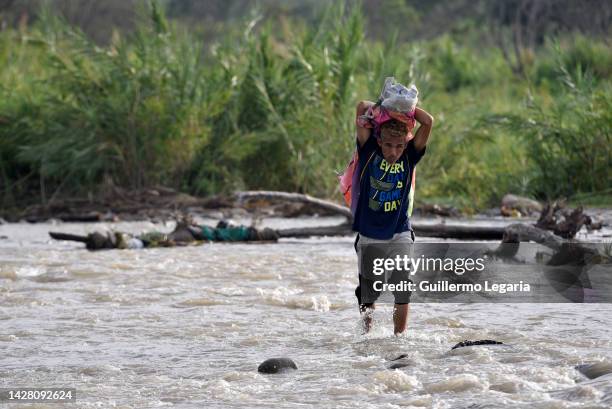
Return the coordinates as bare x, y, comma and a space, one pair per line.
366, 292
367, 295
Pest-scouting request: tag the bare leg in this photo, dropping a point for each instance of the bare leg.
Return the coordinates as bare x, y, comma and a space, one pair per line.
400, 318
366, 311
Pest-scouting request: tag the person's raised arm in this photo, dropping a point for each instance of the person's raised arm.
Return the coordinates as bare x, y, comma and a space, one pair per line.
422, 134
362, 133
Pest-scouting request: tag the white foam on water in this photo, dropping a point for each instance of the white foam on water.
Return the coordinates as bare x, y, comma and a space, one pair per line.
194, 323
30, 271
396, 381
457, 383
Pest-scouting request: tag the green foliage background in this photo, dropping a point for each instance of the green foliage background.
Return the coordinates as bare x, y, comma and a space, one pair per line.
270, 105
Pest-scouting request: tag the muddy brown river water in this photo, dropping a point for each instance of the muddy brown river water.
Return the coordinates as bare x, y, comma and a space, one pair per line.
187, 327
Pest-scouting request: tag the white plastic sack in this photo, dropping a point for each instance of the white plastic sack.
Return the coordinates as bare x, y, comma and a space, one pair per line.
398, 98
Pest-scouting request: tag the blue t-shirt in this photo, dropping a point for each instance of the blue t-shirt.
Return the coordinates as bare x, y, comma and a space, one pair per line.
382, 210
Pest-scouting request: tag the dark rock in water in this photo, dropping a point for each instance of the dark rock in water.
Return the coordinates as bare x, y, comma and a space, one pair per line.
398, 365
401, 361
595, 370
97, 241
402, 356
467, 343
275, 365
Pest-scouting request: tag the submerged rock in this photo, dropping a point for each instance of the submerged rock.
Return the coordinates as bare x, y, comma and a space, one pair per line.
275, 365
402, 361
467, 343
399, 365
595, 370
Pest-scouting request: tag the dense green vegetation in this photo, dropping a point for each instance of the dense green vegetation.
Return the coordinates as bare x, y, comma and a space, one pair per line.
270, 104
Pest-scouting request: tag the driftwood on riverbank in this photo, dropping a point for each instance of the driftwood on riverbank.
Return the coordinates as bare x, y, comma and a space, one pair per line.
185, 233
193, 234
571, 258
313, 202
442, 230
458, 231
565, 222
163, 204
520, 232
179, 237
188, 233
549, 219
259, 204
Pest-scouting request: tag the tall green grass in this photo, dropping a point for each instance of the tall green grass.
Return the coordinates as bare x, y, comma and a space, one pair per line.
568, 139
284, 123
272, 107
131, 114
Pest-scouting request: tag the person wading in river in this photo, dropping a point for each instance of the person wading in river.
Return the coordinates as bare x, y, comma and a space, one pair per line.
387, 159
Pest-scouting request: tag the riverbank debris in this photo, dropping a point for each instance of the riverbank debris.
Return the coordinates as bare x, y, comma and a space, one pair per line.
519, 206
185, 233
565, 222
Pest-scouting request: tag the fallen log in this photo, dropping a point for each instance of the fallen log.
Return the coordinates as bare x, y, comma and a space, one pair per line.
340, 230
68, 237
566, 252
193, 235
520, 232
82, 218
436, 230
514, 233
295, 197
449, 231
183, 234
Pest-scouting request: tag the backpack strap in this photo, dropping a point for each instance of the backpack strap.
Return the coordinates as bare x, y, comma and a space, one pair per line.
366, 166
